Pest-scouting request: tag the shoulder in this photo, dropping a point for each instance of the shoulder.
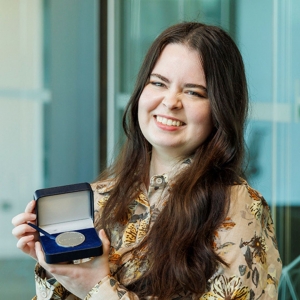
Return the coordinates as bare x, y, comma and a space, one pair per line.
249, 211
245, 200
103, 186
245, 191
248, 214
102, 190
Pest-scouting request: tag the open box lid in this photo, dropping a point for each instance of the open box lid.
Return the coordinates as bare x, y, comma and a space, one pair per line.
65, 208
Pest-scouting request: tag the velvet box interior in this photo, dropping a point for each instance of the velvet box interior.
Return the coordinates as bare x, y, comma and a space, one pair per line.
63, 209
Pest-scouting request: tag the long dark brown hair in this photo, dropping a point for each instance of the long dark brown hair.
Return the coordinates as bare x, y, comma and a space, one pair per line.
180, 243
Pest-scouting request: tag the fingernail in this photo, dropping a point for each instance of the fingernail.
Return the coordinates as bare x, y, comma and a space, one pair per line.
33, 216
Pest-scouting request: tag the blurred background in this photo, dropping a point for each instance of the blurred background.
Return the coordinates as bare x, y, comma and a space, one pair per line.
67, 69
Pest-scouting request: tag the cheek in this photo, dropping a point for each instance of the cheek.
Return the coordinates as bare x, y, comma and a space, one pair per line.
149, 99
143, 110
202, 116
203, 125
209, 120
140, 112
142, 105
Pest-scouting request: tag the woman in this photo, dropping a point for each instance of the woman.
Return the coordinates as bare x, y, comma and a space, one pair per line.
181, 223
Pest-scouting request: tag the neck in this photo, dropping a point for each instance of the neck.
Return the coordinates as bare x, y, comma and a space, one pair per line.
161, 163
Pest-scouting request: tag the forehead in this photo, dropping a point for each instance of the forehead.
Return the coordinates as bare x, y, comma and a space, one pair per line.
184, 50
179, 59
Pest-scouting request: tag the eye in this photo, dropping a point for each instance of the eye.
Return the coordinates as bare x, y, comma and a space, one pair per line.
196, 94
157, 83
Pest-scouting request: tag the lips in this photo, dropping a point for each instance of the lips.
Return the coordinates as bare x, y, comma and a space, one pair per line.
169, 122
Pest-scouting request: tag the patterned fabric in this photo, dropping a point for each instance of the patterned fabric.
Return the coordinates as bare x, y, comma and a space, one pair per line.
246, 241
50, 289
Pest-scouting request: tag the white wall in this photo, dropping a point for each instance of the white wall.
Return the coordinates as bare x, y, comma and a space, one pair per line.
21, 121
268, 36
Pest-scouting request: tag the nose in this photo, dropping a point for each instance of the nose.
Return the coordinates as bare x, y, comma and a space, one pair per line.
172, 100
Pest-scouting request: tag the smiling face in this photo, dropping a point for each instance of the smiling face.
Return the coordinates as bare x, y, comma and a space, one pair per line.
174, 112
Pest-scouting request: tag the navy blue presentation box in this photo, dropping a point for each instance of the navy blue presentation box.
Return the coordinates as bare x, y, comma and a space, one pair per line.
67, 208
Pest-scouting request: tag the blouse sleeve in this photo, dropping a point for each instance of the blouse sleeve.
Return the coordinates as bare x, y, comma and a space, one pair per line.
247, 243
107, 288
110, 288
49, 289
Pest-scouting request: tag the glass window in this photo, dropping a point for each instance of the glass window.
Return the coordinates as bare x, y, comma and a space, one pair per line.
133, 25
267, 35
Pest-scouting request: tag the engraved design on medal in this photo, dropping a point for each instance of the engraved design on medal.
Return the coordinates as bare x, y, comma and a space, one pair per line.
70, 239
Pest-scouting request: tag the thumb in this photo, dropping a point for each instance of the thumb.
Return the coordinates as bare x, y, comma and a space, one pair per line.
39, 253
105, 241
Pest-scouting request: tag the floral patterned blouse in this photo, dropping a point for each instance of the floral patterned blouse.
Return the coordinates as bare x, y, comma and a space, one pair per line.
246, 241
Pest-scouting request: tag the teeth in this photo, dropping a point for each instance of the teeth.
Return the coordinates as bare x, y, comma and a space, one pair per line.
168, 122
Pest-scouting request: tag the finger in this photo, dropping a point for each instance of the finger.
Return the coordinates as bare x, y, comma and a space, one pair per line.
30, 207
23, 242
23, 218
22, 230
40, 254
50, 269
54, 269
105, 241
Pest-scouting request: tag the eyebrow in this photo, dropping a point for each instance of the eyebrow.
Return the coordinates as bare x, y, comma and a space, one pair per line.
188, 85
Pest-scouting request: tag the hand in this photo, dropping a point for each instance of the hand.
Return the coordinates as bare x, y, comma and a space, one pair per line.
26, 235
79, 279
